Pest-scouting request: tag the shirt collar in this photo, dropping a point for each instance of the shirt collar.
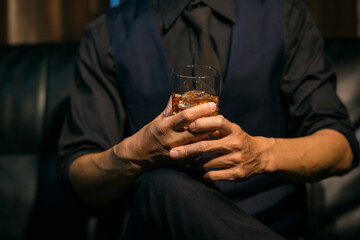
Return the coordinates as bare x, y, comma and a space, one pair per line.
171, 9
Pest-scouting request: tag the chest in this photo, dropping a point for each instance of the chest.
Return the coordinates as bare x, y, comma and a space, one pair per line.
251, 90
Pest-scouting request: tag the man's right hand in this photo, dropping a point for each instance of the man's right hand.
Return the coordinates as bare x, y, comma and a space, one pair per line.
150, 147
101, 178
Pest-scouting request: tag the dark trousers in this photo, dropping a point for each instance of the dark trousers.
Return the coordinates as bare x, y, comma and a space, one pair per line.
169, 204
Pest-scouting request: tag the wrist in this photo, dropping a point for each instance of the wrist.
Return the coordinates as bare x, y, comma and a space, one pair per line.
129, 152
264, 149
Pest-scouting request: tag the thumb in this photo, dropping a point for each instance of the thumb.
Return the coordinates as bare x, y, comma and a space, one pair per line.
167, 111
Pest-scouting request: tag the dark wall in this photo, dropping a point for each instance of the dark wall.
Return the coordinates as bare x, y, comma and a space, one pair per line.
336, 18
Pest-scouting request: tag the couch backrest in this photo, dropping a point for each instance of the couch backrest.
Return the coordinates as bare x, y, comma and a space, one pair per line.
34, 86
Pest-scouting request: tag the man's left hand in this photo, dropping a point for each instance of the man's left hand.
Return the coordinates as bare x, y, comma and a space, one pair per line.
232, 152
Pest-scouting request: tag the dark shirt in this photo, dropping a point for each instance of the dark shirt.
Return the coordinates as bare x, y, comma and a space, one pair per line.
98, 120
176, 34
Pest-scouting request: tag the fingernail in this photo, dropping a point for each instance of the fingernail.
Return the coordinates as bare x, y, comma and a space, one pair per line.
174, 154
212, 106
192, 126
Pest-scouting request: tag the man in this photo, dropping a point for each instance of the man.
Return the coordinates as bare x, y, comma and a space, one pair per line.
281, 123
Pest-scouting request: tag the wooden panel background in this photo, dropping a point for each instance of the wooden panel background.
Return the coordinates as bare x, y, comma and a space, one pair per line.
35, 21
3, 21
336, 18
358, 18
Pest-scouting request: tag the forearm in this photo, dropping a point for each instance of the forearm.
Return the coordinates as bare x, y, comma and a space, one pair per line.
322, 154
101, 178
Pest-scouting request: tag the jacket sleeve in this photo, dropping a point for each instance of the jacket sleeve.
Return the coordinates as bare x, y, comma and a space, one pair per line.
96, 118
309, 80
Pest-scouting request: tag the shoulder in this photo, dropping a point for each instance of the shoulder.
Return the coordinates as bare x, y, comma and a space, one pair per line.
298, 23
96, 26
95, 48
295, 14
96, 37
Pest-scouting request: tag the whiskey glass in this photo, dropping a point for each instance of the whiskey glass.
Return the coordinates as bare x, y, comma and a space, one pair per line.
193, 85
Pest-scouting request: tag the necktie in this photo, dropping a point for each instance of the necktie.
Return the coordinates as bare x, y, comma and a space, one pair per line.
198, 18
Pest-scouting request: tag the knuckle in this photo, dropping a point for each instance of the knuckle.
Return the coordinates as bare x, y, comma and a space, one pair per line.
237, 143
183, 152
203, 146
238, 173
236, 158
223, 122
166, 123
220, 120
234, 127
211, 176
160, 129
186, 116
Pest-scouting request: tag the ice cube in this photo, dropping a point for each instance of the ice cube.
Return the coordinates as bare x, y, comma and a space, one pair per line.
184, 105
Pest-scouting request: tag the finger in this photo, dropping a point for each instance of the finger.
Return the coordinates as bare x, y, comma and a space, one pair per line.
216, 135
167, 111
214, 161
188, 137
228, 174
212, 123
191, 114
198, 148
201, 162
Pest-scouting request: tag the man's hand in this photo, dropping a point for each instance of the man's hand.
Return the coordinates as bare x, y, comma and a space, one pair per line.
237, 156
234, 151
100, 178
151, 145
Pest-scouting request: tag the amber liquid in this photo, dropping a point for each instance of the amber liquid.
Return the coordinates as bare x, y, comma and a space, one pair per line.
192, 99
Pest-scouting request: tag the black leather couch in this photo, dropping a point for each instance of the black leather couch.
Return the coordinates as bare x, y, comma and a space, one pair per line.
34, 88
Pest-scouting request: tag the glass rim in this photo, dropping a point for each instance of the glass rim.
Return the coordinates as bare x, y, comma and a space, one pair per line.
192, 66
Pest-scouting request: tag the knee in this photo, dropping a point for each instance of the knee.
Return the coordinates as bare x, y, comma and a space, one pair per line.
164, 182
